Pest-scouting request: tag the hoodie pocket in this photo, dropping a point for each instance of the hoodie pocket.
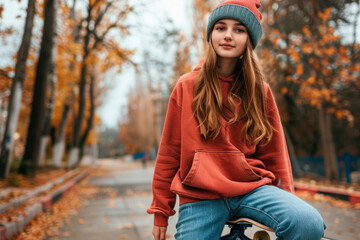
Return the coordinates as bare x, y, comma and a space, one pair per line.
217, 171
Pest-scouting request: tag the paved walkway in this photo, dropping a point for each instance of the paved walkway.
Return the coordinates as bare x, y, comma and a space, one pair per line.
123, 215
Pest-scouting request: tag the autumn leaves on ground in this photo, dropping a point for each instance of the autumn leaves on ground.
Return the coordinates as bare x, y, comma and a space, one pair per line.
56, 221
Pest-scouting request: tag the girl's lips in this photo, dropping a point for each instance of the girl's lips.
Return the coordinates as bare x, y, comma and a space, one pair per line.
226, 46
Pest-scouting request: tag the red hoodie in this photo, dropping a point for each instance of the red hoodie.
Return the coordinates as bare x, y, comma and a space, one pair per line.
196, 169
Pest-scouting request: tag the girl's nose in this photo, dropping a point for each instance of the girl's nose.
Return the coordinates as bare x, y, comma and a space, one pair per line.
228, 35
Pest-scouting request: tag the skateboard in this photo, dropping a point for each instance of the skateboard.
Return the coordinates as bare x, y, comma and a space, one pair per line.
238, 227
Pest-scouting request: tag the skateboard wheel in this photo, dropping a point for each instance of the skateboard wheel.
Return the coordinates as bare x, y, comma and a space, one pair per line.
261, 235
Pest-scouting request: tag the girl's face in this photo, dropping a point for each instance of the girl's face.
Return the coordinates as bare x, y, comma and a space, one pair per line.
229, 38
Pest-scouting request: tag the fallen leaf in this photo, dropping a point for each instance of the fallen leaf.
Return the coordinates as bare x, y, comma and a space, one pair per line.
111, 204
65, 234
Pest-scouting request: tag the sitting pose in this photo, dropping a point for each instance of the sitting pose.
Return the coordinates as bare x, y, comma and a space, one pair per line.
223, 149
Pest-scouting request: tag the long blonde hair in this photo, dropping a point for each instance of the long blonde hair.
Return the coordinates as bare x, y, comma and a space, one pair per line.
246, 91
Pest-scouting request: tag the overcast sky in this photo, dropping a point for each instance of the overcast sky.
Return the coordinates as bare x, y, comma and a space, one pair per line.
116, 97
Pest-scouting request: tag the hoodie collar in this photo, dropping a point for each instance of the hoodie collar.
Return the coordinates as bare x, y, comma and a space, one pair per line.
226, 79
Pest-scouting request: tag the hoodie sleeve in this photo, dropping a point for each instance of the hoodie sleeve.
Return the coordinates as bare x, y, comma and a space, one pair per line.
167, 163
275, 153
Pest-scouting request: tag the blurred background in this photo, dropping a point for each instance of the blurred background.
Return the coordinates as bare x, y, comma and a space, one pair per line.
88, 79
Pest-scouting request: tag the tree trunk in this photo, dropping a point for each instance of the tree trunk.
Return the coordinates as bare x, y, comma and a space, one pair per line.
73, 157
328, 145
50, 105
59, 145
355, 32
76, 37
16, 92
82, 99
297, 172
29, 162
91, 117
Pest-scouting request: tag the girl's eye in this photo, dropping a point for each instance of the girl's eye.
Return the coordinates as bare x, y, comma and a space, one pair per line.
219, 28
239, 30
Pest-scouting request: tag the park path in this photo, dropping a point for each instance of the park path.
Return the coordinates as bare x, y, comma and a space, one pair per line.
122, 213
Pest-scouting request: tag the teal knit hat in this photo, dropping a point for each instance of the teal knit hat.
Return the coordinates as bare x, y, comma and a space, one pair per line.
245, 11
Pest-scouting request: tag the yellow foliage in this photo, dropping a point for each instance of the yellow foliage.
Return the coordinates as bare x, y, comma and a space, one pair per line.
299, 69
311, 80
275, 41
325, 62
329, 51
357, 67
294, 54
343, 51
325, 15
306, 31
307, 48
275, 31
334, 38
314, 102
284, 90
339, 114
327, 71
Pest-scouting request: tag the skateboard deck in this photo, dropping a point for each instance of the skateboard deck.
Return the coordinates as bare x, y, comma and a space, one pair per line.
253, 222
262, 226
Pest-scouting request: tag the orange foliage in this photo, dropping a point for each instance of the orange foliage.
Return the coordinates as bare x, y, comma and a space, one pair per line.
325, 15
322, 63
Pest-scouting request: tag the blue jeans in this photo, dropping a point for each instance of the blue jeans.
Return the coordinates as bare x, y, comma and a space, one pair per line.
291, 217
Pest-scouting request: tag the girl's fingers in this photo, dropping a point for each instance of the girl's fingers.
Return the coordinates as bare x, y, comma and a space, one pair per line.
162, 233
159, 233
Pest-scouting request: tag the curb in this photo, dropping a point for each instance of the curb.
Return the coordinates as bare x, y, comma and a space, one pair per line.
8, 229
350, 196
31, 193
52, 198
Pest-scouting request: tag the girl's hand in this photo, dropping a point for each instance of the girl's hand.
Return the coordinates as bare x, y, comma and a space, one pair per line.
159, 233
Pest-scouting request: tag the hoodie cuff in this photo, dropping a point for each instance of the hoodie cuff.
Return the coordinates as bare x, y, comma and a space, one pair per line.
160, 220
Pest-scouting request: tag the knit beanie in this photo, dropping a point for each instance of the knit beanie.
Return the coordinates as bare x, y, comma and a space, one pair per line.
245, 11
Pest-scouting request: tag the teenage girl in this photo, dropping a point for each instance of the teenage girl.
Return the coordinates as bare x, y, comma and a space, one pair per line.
223, 149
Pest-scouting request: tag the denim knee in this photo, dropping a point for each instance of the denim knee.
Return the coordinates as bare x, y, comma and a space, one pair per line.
302, 224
